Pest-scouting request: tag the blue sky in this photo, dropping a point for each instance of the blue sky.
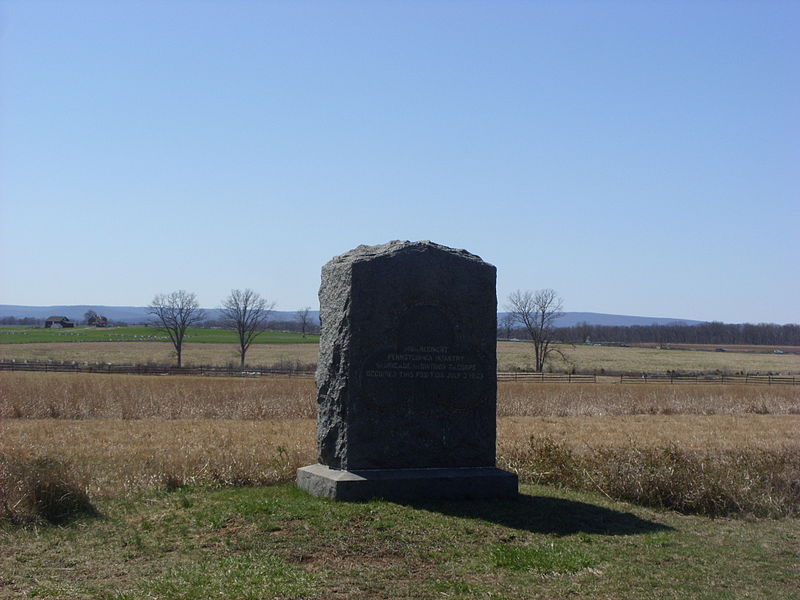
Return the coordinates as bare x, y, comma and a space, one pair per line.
638, 157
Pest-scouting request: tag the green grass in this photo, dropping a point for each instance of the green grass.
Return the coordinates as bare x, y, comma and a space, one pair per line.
21, 335
277, 542
545, 557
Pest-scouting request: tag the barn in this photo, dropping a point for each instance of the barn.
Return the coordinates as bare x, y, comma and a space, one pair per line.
58, 322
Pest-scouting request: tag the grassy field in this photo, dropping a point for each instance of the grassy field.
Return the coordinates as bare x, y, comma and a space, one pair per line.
511, 356
144, 475
276, 542
28, 335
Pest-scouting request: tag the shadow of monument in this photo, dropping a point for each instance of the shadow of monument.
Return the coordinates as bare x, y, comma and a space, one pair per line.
543, 514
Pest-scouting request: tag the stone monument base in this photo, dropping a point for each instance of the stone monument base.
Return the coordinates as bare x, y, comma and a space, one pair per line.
407, 484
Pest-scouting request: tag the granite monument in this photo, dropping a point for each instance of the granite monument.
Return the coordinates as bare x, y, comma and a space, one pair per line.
407, 376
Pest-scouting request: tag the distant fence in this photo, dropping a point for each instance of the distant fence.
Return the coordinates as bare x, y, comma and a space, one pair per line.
644, 379
526, 377
713, 379
205, 371
547, 377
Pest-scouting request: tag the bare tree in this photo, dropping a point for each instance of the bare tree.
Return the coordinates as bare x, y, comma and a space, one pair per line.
89, 316
537, 312
507, 324
175, 313
304, 318
246, 312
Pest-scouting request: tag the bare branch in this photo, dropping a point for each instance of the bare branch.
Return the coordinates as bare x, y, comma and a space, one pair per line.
175, 313
247, 313
537, 312
304, 317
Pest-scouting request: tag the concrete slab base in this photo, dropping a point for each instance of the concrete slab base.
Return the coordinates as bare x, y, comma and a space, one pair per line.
407, 484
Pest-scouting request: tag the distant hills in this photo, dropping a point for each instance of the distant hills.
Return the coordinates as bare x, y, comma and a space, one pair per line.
573, 318
138, 314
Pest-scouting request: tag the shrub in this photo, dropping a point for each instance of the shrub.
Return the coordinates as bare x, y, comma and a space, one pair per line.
41, 489
712, 482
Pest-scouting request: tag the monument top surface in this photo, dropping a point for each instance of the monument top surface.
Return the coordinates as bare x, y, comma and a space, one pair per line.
364, 252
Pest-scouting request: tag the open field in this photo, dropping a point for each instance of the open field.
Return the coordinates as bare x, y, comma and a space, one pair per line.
510, 356
27, 335
162, 353
87, 396
114, 456
124, 432
160, 460
757, 349
614, 359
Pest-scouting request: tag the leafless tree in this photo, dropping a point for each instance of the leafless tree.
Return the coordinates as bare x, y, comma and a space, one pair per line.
537, 312
175, 313
89, 315
246, 312
507, 323
304, 318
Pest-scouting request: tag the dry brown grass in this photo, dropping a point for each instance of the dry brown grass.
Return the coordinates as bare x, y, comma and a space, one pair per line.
90, 396
510, 355
710, 481
115, 433
688, 431
116, 455
112, 456
561, 400
727, 347
160, 353
86, 396
597, 359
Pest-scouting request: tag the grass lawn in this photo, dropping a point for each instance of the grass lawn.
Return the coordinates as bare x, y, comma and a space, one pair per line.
277, 542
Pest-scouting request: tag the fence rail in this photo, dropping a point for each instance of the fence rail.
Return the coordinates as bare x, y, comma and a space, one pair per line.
205, 371
547, 377
712, 379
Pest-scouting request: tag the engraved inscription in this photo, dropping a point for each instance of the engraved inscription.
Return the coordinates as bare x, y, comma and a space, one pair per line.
426, 362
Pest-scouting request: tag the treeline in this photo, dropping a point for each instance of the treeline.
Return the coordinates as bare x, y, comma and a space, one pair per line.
34, 322
27, 321
292, 326
762, 334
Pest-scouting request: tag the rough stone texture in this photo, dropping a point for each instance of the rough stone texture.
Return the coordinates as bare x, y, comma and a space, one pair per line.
407, 364
407, 376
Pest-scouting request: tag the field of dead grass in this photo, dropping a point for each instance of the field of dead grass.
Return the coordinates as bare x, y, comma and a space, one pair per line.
118, 433
92, 396
752, 348
114, 455
160, 353
103, 458
510, 355
576, 399
612, 359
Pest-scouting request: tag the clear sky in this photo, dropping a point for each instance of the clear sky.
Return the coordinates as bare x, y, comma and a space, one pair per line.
638, 157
